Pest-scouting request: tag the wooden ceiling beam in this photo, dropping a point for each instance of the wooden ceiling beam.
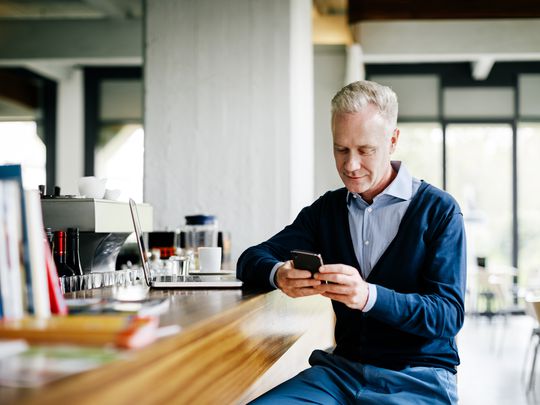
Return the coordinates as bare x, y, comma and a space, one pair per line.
19, 90
371, 10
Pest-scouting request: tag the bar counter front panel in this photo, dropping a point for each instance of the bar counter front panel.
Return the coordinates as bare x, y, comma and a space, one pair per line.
233, 346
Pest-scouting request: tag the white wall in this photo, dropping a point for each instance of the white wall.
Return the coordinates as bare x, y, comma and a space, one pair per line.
329, 65
219, 100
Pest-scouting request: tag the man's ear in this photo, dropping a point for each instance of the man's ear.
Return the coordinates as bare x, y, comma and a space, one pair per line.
394, 140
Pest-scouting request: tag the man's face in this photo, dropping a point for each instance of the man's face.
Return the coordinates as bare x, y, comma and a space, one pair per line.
363, 144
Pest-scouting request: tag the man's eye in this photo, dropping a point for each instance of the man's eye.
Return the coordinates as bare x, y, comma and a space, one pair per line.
367, 152
340, 150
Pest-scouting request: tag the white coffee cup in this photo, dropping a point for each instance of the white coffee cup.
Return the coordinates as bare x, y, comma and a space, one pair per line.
112, 194
209, 259
92, 187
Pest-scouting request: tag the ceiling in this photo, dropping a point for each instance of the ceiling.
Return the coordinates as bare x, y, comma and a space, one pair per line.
54, 9
330, 21
331, 7
70, 9
356, 10
389, 31
379, 10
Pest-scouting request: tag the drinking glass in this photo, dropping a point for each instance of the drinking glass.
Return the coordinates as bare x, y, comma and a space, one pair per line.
112, 278
62, 281
179, 265
97, 280
118, 278
86, 282
74, 283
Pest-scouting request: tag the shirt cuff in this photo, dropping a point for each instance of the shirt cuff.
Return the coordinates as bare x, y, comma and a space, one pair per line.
273, 273
372, 298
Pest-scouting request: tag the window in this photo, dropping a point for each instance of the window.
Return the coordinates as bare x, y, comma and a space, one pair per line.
484, 157
20, 144
114, 131
528, 156
420, 148
28, 125
479, 176
119, 157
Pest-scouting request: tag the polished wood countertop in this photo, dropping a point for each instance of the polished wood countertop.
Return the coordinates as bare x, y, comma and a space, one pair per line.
234, 344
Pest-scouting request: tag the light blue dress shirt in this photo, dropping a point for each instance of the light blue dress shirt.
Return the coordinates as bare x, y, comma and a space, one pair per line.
373, 227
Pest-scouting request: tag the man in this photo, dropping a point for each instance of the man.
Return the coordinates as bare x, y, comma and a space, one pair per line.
394, 254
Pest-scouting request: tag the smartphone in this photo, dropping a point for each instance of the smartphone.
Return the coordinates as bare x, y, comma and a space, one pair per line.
306, 260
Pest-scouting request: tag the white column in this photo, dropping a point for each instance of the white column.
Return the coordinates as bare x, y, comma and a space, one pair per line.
355, 64
330, 63
228, 113
302, 177
70, 132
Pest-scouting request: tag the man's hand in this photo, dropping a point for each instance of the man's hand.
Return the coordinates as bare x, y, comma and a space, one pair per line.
345, 285
294, 282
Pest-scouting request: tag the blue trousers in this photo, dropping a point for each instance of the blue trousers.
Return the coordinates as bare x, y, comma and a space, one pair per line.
335, 380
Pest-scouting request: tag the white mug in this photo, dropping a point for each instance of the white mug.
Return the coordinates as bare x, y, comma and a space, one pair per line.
92, 187
112, 194
209, 259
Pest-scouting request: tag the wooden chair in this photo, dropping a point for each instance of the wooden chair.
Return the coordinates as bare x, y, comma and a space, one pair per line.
533, 308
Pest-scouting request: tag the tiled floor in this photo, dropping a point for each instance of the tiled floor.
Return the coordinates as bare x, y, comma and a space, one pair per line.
492, 360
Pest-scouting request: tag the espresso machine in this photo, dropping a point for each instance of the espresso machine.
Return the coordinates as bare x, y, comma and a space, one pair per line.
104, 226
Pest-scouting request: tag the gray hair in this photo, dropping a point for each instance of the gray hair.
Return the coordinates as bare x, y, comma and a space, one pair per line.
357, 95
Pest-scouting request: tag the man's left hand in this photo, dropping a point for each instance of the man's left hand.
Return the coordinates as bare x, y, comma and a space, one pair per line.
344, 285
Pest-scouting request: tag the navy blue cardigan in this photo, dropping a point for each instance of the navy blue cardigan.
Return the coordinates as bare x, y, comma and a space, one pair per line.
420, 279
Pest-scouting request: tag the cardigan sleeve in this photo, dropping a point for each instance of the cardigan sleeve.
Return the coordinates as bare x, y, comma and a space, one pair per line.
256, 263
439, 310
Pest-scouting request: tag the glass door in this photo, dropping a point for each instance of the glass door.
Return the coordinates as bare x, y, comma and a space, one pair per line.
528, 156
479, 176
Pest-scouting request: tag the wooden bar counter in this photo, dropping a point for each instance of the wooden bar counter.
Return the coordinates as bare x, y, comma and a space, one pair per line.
233, 346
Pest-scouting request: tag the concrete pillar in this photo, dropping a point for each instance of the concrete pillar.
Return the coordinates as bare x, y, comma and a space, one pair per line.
330, 63
229, 113
70, 131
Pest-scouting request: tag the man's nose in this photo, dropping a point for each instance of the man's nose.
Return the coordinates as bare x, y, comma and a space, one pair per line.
353, 163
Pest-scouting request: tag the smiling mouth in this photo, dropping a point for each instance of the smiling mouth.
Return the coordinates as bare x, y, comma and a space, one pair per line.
355, 177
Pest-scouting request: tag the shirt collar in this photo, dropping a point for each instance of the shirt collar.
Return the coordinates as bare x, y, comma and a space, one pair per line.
400, 187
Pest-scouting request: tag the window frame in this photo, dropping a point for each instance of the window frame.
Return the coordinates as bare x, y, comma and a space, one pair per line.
503, 74
93, 76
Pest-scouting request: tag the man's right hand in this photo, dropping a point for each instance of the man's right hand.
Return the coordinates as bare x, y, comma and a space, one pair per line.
294, 282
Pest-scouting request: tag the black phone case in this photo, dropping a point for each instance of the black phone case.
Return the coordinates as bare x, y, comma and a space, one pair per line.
306, 260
